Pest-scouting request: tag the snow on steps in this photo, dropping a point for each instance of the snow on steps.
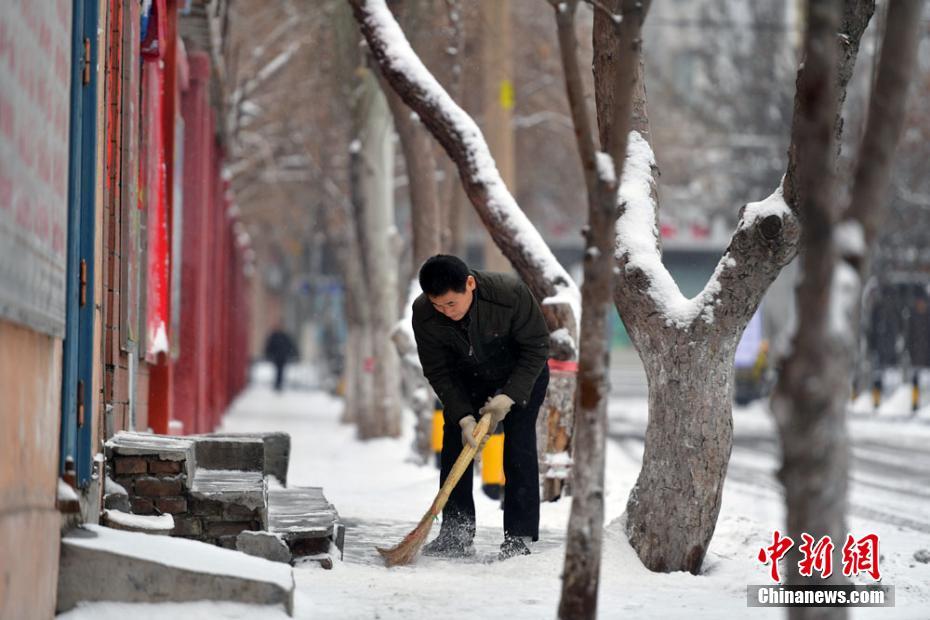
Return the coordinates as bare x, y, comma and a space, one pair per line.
103, 564
302, 525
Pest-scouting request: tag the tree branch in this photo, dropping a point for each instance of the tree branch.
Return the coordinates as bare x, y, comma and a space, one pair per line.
574, 88
886, 117
461, 138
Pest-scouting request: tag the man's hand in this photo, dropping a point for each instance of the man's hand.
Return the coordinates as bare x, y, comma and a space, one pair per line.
498, 406
468, 424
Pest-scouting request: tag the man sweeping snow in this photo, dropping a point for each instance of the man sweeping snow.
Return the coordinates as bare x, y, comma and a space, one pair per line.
483, 344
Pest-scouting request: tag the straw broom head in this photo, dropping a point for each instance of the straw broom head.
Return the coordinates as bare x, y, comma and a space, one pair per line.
408, 549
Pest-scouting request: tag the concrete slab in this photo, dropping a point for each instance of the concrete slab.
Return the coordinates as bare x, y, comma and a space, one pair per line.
137, 568
277, 451
264, 545
245, 488
231, 453
300, 512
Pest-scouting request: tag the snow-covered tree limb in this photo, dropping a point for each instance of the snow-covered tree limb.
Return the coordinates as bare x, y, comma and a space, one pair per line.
461, 138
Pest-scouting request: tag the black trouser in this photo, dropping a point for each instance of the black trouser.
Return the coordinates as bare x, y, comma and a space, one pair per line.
521, 470
279, 375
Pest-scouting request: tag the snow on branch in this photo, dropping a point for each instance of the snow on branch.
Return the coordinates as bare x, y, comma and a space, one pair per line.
462, 139
637, 242
765, 240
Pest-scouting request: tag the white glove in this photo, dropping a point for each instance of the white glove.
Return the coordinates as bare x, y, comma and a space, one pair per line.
468, 424
498, 406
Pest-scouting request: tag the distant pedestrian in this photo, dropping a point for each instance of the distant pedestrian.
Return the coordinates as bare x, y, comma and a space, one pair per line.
279, 350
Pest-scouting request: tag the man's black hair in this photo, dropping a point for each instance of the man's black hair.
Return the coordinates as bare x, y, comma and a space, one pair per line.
443, 273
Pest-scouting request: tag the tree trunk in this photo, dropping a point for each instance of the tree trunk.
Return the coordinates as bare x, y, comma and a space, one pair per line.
380, 260
358, 384
418, 393
687, 449
416, 146
581, 575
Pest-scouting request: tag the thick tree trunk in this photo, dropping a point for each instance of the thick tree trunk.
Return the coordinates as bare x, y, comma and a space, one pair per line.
380, 260
672, 510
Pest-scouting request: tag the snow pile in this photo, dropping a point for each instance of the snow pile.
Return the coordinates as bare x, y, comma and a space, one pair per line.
153, 523
65, 492
774, 204
401, 58
849, 238
637, 240
606, 171
212, 610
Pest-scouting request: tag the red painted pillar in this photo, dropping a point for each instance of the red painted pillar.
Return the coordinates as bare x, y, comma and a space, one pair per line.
190, 398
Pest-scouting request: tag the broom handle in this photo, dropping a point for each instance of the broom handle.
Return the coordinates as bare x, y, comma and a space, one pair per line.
461, 464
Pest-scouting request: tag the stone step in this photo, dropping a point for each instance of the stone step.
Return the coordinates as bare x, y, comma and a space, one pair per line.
230, 453
103, 564
306, 522
277, 451
243, 488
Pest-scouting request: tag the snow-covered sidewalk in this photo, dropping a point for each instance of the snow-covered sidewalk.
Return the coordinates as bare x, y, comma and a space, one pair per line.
380, 495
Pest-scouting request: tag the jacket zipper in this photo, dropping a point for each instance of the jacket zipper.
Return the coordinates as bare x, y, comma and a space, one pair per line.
466, 339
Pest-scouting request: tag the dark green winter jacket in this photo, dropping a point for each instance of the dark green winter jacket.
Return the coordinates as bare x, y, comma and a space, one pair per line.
504, 348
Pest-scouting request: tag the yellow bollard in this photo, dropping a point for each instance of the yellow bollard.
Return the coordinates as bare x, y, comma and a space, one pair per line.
492, 466
437, 436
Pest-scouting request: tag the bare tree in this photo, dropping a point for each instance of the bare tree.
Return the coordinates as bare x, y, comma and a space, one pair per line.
687, 346
602, 171
814, 384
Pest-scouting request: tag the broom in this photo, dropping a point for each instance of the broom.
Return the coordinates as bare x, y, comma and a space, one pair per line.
406, 552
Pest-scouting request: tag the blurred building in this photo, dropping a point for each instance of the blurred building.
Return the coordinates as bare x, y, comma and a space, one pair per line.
123, 294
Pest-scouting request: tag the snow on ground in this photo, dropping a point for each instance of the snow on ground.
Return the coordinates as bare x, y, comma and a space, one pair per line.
381, 494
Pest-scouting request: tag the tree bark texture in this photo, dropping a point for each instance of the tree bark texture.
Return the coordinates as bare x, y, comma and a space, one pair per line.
376, 223
581, 574
811, 397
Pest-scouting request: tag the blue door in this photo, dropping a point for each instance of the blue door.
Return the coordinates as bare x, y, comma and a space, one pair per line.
77, 374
